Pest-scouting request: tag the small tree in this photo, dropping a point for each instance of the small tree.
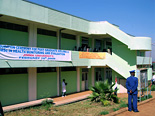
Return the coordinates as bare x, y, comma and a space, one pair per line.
103, 92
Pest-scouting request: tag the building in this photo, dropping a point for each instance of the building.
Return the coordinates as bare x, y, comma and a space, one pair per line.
96, 51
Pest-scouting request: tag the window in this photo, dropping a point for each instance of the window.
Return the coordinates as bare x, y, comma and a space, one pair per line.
46, 32
68, 69
85, 70
46, 69
68, 36
12, 26
13, 70
141, 53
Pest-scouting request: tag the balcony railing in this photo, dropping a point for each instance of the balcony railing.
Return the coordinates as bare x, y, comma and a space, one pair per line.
144, 60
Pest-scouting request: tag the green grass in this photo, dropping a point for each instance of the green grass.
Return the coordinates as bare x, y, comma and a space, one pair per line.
123, 105
80, 108
103, 113
115, 109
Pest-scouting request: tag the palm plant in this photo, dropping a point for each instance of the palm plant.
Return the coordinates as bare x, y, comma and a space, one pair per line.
103, 92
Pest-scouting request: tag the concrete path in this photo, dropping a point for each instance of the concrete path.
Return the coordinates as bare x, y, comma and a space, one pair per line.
146, 109
57, 101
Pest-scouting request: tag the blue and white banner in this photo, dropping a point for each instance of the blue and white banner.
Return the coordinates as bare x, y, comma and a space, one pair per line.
33, 53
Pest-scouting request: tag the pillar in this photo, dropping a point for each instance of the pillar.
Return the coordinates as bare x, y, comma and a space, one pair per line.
78, 41
93, 44
58, 39
32, 35
58, 85
32, 72
92, 76
78, 79
32, 83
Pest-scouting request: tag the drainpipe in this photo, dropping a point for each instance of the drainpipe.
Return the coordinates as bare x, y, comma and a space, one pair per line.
60, 34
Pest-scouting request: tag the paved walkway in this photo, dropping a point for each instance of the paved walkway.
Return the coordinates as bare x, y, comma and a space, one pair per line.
57, 101
146, 109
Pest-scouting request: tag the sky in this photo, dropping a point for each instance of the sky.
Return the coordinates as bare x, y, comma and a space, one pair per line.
135, 17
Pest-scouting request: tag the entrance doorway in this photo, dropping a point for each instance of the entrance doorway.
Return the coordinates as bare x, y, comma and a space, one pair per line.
108, 75
84, 81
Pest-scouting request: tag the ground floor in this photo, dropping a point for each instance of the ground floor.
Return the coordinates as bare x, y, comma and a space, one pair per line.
18, 85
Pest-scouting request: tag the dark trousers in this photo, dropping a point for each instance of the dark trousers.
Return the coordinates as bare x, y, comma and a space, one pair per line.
63, 93
134, 98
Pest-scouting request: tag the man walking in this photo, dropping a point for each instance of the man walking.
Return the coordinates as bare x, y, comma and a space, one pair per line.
132, 84
64, 88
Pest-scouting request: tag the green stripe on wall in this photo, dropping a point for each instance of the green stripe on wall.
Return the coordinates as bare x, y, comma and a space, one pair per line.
46, 84
11, 37
68, 44
45, 41
13, 89
71, 80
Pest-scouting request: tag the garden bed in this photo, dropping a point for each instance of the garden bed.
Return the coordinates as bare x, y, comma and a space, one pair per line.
81, 108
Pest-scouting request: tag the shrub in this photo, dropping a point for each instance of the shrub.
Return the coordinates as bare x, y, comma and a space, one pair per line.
149, 96
47, 103
104, 113
143, 98
153, 88
103, 92
115, 109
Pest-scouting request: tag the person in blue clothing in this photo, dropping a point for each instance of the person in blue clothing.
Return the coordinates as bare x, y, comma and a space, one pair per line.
131, 85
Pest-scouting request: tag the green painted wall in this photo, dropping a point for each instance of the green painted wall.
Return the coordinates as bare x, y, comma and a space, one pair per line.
46, 84
123, 52
71, 80
12, 37
68, 44
13, 89
46, 41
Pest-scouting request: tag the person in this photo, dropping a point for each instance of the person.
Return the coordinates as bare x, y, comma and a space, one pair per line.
132, 84
64, 88
153, 79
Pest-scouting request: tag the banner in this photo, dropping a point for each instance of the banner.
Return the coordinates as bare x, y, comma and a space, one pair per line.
91, 55
33, 53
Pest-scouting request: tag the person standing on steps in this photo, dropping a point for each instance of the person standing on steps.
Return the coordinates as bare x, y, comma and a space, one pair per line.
64, 88
131, 85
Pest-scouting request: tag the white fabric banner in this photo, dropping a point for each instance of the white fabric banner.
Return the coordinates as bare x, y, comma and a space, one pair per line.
33, 53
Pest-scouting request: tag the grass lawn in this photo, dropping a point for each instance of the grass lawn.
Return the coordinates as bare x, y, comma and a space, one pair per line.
81, 108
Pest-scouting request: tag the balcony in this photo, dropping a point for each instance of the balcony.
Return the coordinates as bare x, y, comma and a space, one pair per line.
144, 60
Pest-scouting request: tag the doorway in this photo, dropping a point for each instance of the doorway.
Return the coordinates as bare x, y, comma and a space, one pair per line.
108, 75
84, 81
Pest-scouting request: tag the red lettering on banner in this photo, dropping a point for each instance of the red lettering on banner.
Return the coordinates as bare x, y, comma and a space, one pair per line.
28, 55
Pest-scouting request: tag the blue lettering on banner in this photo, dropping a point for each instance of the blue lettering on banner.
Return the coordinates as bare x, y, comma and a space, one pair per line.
33, 53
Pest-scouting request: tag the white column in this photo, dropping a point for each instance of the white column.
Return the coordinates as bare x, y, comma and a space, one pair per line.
32, 72
92, 76
58, 81
78, 79
78, 41
32, 80
32, 35
58, 39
